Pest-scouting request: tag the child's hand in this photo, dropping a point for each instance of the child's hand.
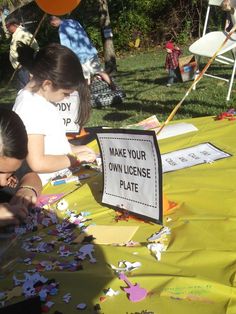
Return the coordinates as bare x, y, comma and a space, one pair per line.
24, 197
84, 153
12, 214
12, 181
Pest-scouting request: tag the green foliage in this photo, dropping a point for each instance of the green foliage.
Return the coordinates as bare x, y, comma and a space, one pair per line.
183, 36
95, 36
146, 19
216, 19
129, 19
130, 25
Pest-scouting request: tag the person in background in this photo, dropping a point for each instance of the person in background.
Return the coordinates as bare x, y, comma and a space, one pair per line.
230, 18
19, 188
73, 36
55, 73
19, 35
172, 61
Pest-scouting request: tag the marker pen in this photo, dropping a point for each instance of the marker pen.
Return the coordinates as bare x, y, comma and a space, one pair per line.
66, 180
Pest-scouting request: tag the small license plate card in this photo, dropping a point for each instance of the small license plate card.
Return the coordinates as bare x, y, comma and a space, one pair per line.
192, 156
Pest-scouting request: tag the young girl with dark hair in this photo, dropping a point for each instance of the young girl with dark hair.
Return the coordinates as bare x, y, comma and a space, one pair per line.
55, 73
13, 150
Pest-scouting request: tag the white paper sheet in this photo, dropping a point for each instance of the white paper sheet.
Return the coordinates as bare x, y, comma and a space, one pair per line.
175, 129
191, 156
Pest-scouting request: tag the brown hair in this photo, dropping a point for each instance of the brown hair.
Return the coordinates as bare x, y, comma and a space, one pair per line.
62, 67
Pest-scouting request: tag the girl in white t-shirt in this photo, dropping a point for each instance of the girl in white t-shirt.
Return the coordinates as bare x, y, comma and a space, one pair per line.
56, 72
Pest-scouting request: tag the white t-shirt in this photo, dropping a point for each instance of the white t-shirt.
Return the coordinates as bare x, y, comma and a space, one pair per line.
68, 109
42, 117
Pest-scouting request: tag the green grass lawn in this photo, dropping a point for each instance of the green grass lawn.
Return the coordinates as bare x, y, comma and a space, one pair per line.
143, 78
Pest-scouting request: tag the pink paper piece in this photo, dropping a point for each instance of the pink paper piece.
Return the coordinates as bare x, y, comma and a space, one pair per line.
48, 199
135, 292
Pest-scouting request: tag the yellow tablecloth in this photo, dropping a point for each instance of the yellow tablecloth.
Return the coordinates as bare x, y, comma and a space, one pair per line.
196, 274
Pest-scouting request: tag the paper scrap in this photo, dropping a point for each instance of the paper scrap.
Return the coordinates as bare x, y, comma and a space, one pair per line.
48, 199
147, 124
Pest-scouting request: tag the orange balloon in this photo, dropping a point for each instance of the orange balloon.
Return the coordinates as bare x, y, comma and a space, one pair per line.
57, 7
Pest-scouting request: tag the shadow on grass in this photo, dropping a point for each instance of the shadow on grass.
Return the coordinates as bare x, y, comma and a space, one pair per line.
161, 80
116, 116
165, 107
131, 73
214, 69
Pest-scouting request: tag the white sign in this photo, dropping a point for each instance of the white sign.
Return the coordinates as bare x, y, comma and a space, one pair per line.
191, 156
132, 171
68, 108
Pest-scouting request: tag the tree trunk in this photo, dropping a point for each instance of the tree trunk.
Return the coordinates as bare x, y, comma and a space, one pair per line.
106, 32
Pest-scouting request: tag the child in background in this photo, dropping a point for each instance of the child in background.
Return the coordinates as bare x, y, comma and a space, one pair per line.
19, 187
172, 62
55, 73
230, 18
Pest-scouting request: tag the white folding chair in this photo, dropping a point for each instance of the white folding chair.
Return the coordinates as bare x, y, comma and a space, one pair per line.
209, 43
210, 4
